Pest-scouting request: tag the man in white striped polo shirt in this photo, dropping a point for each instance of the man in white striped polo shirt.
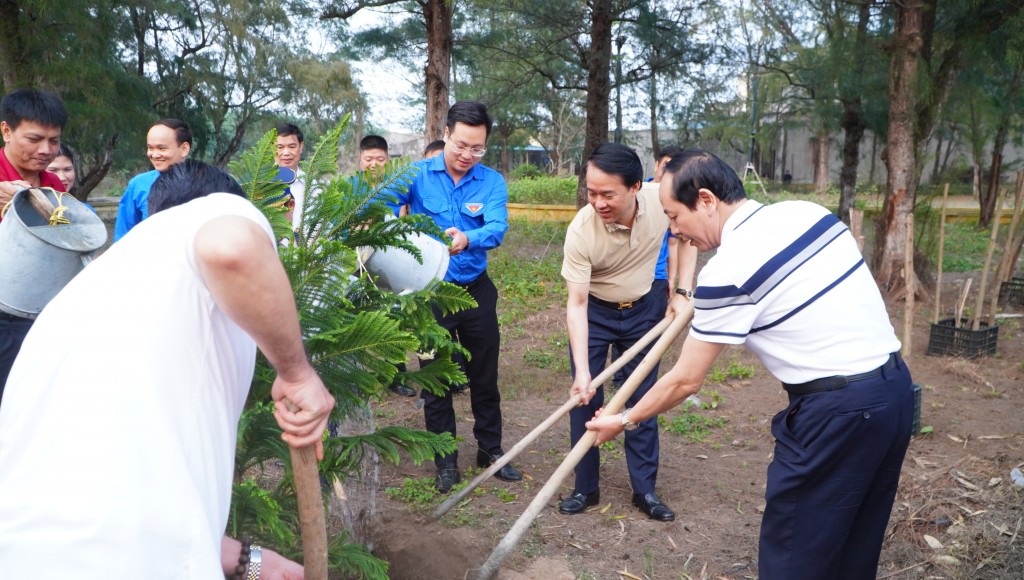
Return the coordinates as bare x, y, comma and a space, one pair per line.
789, 283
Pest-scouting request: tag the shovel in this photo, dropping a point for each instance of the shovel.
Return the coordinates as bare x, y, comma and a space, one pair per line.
490, 568
569, 405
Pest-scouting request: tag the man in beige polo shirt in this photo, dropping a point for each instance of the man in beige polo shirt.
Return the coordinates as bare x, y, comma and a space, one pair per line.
611, 248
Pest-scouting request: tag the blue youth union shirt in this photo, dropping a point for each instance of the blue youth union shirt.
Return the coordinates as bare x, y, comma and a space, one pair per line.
477, 206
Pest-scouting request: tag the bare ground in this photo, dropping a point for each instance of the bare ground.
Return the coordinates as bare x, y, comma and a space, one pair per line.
955, 490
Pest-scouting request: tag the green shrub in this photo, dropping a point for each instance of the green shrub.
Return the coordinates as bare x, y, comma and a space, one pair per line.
543, 190
524, 171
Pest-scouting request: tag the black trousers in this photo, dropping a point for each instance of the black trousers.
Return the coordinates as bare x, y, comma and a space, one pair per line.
13, 330
477, 330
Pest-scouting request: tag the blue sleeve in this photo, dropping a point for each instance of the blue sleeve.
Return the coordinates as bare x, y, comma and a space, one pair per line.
495, 216
128, 215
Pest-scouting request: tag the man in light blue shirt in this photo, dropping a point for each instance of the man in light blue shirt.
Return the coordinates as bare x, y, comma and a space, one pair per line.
168, 142
468, 201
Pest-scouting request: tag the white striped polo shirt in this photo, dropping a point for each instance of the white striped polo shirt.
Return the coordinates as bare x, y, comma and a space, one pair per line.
789, 282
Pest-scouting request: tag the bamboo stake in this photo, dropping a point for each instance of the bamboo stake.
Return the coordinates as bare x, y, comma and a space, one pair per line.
963, 300
504, 548
982, 285
942, 244
1005, 271
908, 279
569, 405
313, 524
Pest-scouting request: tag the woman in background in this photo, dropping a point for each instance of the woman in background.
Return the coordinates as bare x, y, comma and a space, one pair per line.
63, 166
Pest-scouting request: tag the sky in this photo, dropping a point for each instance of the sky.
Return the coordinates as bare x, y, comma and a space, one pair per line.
386, 84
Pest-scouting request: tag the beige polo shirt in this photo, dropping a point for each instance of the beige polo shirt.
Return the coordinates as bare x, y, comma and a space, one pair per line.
617, 261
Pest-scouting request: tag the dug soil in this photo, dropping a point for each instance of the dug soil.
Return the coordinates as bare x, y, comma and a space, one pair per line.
957, 515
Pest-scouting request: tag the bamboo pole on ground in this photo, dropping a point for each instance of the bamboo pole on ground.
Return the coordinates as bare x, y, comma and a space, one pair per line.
982, 285
908, 279
489, 569
569, 405
313, 524
942, 245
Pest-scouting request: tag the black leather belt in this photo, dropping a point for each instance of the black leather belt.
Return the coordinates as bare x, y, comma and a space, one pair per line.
837, 382
619, 305
470, 286
12, 317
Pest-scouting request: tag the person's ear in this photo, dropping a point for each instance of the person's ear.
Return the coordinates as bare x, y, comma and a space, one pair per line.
707, 199
188, 148
6, 130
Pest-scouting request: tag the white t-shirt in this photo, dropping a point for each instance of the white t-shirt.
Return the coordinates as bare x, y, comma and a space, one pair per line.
789, 282
119, 419
298, 191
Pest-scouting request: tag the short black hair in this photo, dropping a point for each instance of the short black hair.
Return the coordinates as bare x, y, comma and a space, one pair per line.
285, 129
618, 159
437, 145
669, 151
182, 132
472, 113
373, 142
188, 180
696, 169
65, 151
35, 106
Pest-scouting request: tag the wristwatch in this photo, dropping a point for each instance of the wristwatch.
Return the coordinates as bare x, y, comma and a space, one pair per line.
685, 292
255, 563
627, 425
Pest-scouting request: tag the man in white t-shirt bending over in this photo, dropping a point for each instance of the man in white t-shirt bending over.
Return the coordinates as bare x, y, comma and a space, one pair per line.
119, 421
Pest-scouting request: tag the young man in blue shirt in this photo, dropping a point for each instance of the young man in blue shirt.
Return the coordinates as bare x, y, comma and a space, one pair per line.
468, 201
168, 142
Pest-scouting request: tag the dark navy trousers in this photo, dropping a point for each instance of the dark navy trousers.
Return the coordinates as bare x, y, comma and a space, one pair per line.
13, 330
833, 479
620, 329
477, 330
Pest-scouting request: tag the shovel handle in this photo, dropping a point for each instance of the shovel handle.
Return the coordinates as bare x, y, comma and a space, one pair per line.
490, 567
305, 470
569, 405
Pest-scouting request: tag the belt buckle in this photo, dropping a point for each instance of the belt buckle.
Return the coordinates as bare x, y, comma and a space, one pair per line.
625, 305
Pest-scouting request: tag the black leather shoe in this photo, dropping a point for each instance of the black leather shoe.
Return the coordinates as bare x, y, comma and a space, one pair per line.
506, 473
402, 390
652, 506
577, 502
447, 477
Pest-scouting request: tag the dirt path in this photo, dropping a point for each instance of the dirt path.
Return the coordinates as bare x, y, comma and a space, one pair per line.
955, 486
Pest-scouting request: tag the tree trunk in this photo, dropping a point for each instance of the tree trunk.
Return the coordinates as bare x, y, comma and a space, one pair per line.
935, 162
598, 87
438, 17
91, 179
653, 101
15, 62
988, 204
853, 128
900, 151
821, 147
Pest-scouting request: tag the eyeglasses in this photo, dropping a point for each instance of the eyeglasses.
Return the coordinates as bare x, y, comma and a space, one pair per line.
474, 151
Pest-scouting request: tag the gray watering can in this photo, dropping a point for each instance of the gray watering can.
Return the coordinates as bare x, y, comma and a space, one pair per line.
399, 271
37, 259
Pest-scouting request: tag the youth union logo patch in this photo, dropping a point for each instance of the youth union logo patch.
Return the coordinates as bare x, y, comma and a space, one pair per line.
474, 207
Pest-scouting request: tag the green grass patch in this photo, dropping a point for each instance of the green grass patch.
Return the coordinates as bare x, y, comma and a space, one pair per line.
527, 269
691, 426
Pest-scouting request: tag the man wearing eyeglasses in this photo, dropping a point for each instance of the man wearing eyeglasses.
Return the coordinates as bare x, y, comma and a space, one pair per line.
468, 200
